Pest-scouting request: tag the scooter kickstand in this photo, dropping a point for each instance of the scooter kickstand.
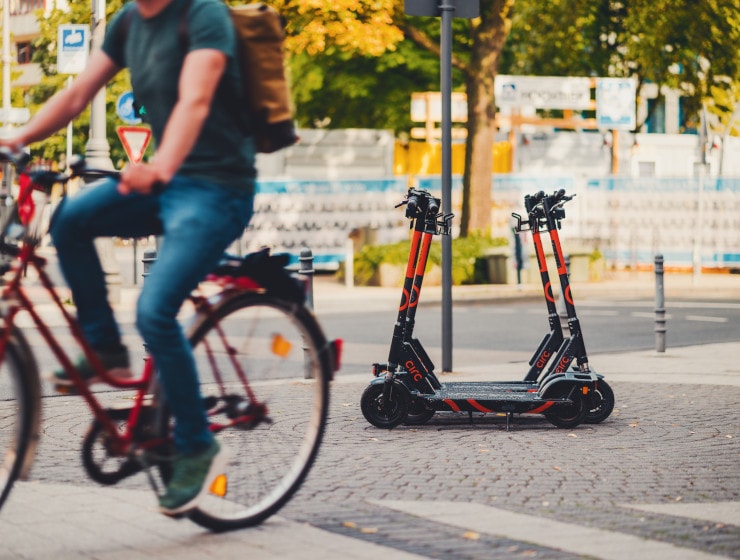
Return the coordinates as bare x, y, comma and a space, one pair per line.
509, 417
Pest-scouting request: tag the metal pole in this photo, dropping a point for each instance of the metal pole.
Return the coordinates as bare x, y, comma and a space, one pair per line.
97, 155
6, 62
659, 305
97, 151
68, 156
7, 168
447, 12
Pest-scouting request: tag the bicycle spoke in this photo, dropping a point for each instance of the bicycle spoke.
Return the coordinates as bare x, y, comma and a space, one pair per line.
276, 347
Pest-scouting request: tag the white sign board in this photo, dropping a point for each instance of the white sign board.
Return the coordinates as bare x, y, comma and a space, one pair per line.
427, 106
542, 92
615, 103
15, 115
73, 42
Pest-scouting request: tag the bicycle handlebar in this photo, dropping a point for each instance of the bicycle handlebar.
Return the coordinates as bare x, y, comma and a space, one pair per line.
18, 158
45, 178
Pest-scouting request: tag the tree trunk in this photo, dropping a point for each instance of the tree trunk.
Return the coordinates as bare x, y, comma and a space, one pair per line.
489, 35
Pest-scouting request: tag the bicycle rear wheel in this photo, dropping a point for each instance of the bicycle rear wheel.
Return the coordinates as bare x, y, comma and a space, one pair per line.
20, 416
282, 351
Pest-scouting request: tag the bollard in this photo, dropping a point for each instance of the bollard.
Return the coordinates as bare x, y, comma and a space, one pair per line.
659, 305
150, 255
349, 264
306, 268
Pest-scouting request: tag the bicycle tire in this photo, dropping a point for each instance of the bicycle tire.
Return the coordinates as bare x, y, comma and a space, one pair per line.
269, 461
20, 412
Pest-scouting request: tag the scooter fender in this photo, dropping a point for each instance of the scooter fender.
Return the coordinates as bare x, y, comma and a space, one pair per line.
561, 385
401, 378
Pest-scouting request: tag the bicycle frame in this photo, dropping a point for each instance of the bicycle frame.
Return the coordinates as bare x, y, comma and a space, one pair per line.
16, 299
120, 442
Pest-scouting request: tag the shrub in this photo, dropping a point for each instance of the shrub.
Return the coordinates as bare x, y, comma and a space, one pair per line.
466, 254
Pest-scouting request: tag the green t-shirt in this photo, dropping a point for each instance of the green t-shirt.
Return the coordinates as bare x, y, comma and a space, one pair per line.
154, 52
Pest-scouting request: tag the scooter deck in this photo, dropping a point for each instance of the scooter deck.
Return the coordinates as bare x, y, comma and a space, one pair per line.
488, 397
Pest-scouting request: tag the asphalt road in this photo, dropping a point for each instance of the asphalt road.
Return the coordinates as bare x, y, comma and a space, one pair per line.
518, 326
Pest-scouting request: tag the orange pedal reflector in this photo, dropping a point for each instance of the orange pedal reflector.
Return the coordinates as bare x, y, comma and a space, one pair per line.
281, 346
219, 486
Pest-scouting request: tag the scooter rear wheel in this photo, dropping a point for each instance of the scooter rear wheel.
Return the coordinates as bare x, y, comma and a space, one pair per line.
603, 403
568, 415
419, 413
384, 412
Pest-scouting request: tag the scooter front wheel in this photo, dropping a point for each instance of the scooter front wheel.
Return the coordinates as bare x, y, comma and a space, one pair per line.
568, 415
603, 403
385, 411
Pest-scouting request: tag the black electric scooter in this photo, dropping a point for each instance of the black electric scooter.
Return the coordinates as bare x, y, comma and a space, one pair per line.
407, 390
547, 211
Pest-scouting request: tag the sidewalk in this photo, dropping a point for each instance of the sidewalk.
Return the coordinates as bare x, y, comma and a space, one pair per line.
657, 480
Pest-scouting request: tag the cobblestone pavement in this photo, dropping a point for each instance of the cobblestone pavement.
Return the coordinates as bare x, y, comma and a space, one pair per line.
659, 479
665, 444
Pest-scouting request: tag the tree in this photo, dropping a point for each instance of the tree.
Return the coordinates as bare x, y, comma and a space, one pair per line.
45, 54
343, 30
686, 45
489, 33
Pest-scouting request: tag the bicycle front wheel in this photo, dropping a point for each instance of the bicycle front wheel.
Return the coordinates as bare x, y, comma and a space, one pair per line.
275, 350
20, 415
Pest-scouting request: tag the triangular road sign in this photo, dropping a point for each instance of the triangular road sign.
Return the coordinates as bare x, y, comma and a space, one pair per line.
135, 139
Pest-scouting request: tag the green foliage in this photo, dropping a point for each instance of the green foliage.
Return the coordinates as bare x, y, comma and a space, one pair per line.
466, 253
54, 147
686, 45
340, 89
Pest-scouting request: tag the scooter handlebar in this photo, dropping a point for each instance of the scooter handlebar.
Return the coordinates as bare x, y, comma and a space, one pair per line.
419, 202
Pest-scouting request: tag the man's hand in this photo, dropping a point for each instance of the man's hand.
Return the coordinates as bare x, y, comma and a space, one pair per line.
141, 178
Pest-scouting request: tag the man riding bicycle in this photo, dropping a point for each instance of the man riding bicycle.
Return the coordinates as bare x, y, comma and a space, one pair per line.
196, 192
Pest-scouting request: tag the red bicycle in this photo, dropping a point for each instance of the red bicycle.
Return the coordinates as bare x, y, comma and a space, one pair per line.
263, 360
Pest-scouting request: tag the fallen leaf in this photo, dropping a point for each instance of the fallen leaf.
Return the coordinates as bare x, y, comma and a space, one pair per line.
558, 468
471, 535
369, 530
349, 524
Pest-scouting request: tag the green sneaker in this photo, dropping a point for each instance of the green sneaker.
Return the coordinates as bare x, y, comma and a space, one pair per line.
116, 363
192, 476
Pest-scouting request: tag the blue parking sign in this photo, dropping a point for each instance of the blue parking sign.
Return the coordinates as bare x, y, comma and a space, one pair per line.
72, 48
125, 108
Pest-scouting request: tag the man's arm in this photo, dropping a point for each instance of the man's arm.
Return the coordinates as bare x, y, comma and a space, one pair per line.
68, 103
199, 78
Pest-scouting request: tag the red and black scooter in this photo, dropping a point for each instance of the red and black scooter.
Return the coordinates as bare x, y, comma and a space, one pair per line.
405, 389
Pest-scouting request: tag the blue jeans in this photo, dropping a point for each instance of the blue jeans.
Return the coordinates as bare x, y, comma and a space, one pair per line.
198, 220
